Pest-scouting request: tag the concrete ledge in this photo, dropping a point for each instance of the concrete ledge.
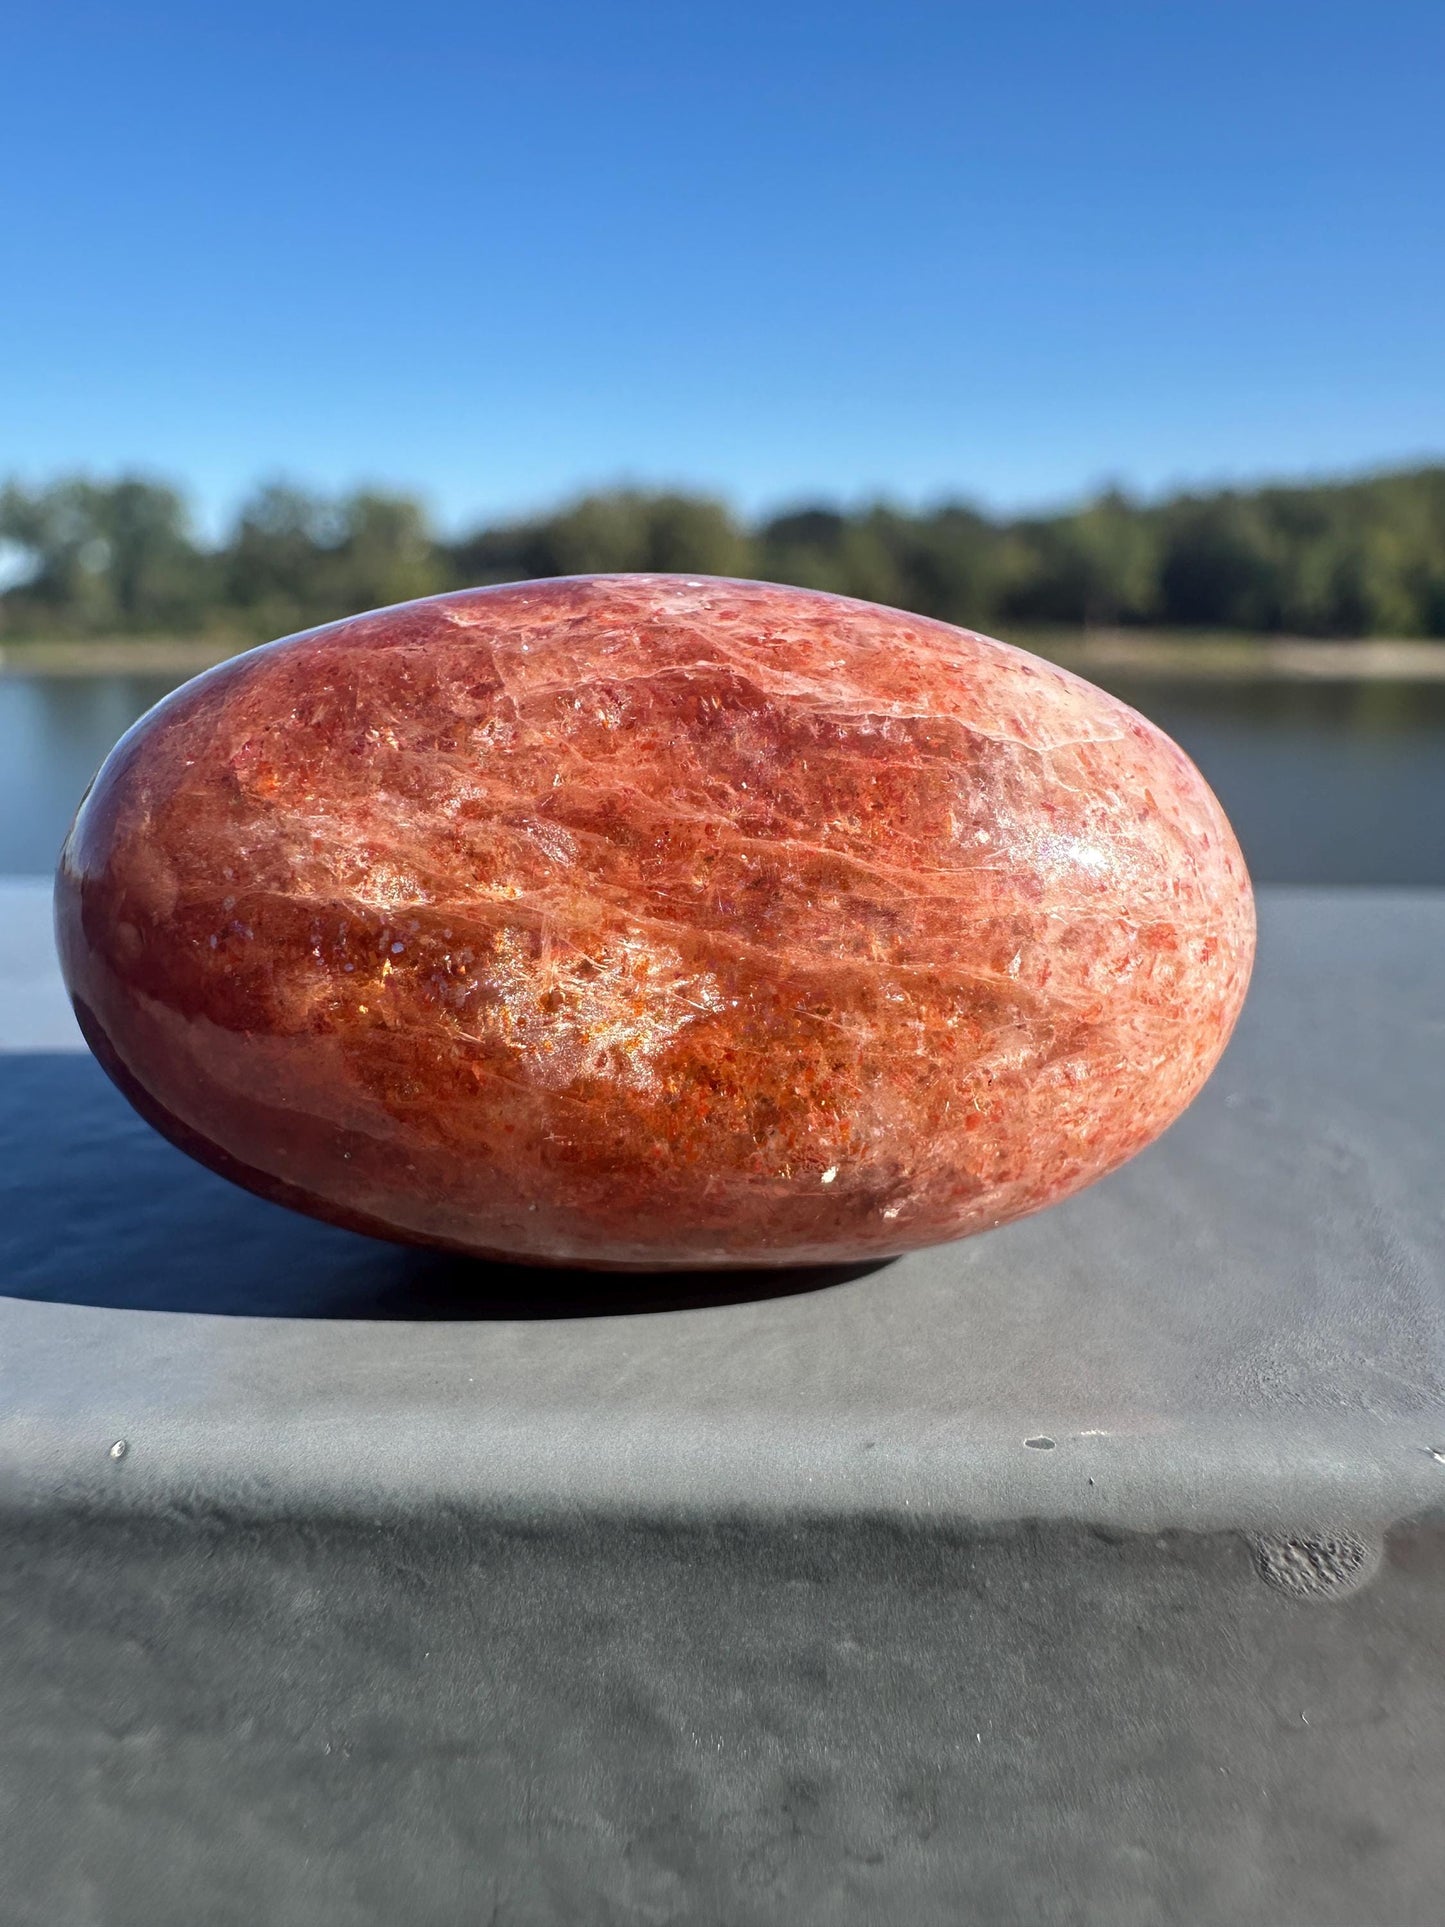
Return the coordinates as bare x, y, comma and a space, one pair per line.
345, 1584
1245, 1325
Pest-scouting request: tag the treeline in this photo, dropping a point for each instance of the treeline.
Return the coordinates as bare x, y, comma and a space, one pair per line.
1354, 558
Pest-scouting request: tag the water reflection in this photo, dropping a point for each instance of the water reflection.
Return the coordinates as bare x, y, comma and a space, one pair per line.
54, 734
1325, 782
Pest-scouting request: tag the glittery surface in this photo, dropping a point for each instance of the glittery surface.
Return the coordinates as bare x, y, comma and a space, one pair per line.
647, 922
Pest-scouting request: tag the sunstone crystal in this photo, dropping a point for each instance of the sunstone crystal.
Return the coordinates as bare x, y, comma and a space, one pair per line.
652, 922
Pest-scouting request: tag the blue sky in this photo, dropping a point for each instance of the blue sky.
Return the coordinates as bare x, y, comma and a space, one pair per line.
785, 252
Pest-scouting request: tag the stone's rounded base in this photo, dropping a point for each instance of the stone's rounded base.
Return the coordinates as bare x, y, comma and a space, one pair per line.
649, 922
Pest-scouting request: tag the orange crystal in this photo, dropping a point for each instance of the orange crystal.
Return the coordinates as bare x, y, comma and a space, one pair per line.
649, 922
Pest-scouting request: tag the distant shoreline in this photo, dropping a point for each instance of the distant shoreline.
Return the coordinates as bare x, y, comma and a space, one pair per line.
1167, 655
1242, 658
124, 656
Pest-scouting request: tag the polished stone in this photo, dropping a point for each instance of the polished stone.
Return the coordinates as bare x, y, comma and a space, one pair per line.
652, 922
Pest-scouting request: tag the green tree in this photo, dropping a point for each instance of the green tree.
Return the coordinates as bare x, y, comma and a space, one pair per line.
1333, 559
1216, 566
101, 559
622, 531
297, 559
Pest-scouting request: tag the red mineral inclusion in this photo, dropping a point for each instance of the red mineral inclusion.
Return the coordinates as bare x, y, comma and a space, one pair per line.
649, 922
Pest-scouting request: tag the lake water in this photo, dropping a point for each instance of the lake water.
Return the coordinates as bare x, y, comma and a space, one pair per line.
1325, 782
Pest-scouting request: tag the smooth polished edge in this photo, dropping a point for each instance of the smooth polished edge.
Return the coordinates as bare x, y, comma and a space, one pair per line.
531, 1464
806, 894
